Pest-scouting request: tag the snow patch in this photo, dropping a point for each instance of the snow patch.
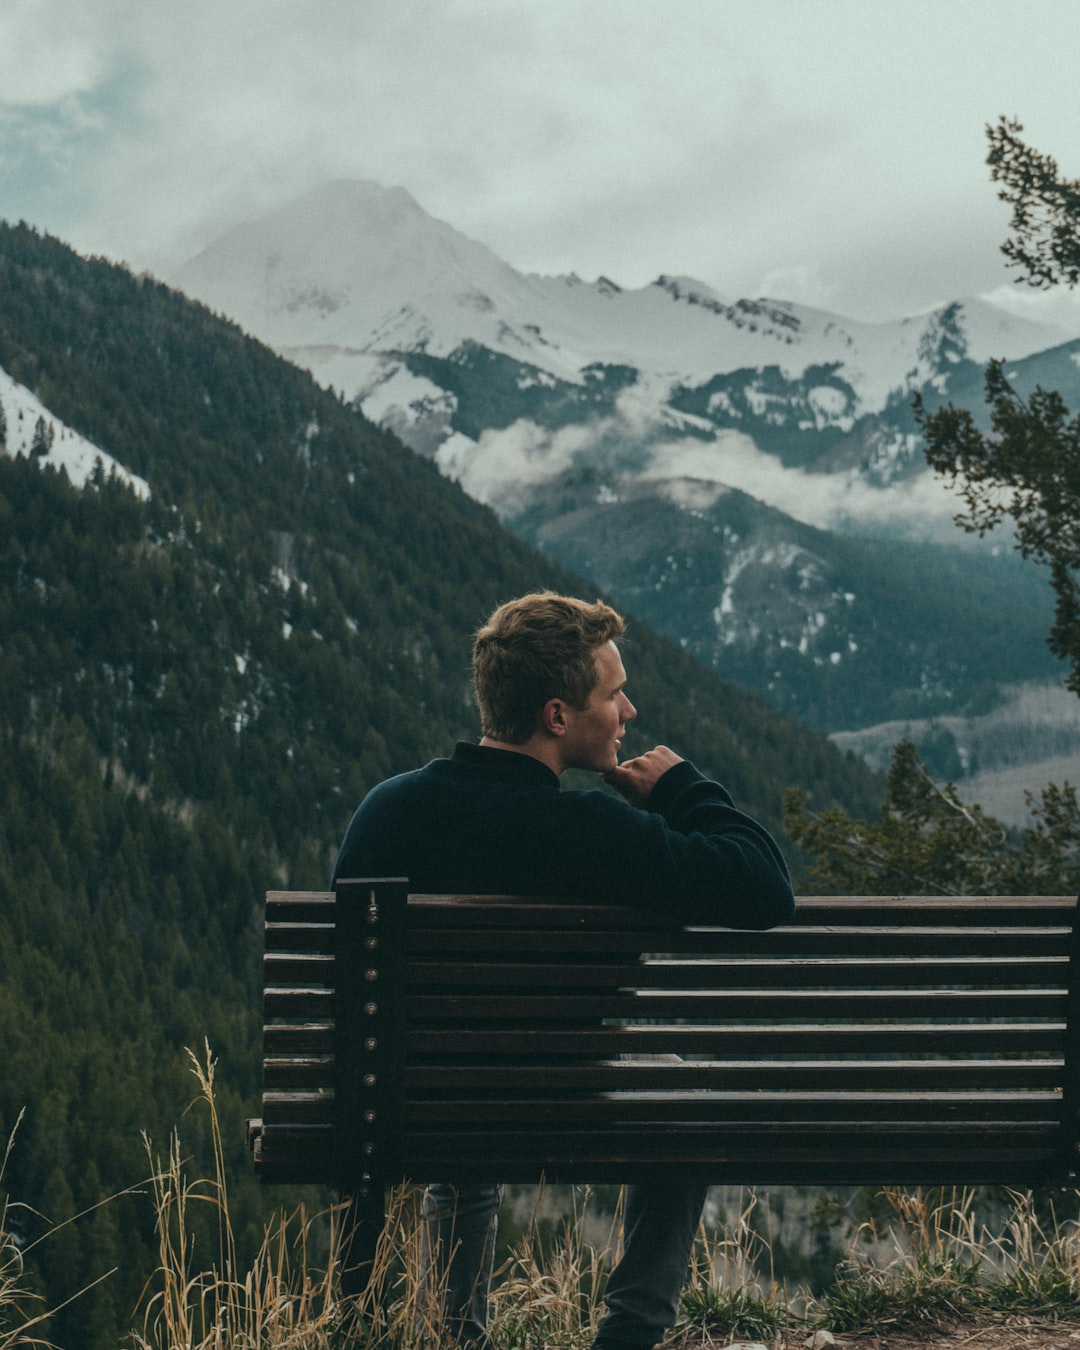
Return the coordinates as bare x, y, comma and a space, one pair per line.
285, 580
67, 449
830, 407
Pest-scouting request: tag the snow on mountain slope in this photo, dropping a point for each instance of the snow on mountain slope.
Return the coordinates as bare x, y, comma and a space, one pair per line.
25, 418
353, 270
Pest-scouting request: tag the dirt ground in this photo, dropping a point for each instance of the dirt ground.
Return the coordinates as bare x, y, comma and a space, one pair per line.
1001, 1332
1005, 1333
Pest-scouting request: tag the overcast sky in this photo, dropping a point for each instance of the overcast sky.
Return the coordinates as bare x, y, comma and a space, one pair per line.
830, 152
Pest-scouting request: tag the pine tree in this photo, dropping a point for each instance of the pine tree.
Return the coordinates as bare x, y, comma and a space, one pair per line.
1027, 469
42, 442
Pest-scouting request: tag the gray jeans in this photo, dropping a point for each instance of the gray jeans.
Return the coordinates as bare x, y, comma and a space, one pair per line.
643, 1290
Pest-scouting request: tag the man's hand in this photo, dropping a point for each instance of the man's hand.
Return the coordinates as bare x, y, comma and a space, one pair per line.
637, 777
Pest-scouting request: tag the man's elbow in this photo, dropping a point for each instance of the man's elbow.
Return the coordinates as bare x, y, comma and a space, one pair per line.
779, 906
766, 903
770, 904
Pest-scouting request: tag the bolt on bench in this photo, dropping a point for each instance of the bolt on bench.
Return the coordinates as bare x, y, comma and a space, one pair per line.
873, 1041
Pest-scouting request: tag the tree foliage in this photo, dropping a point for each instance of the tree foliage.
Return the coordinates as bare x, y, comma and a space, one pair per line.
1026, 469
1045, 241
927, 841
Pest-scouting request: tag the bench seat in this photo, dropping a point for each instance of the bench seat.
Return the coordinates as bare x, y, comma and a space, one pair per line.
874, 1040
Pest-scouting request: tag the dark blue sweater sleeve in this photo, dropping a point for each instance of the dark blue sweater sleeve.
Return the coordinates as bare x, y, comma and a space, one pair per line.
723, 866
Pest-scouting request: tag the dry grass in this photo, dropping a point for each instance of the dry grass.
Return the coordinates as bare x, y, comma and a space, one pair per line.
281, 1301
947, 1263
20, 1309
24, 1313
550, 1297
930, 1260
732, 1291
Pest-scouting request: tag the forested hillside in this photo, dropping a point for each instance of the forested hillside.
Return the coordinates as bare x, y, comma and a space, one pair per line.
195, 691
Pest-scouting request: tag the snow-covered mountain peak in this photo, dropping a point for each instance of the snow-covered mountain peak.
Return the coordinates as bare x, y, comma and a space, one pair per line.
353, 276
333, 264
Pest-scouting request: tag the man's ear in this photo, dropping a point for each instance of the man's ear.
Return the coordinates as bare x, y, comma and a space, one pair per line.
552, 717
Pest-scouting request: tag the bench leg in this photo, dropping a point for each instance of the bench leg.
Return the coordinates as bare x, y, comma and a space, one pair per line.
361, 1228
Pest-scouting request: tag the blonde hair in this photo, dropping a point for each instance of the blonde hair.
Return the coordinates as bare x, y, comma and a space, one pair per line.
533, 649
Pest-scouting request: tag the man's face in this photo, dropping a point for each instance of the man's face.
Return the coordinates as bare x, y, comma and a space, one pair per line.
594, 734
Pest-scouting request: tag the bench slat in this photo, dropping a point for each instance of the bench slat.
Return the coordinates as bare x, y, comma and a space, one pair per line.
750, 973
614, 1109
488, 912
311, 968
524, 1043
298, 1072
820, 1075
298, 1108
315, 1038
753, 1153
856, 942
782, 1004
311, 1004
300, 937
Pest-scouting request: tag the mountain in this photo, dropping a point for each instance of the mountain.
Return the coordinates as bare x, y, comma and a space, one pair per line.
229, 604
747, 476
356, 271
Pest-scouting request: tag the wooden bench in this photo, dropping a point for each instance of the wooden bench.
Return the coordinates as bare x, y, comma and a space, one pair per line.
873, 1041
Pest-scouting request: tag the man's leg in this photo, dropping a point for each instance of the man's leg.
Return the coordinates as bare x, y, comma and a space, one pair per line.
458, 1252
644, 1288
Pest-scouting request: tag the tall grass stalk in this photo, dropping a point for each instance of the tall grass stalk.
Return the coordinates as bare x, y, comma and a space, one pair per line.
23, 1313
290, 1298
16, 1300
279, 1302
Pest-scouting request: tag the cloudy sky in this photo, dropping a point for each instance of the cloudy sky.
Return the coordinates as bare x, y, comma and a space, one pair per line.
825, 151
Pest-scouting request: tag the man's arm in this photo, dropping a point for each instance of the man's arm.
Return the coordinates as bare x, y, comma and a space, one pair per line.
726, 866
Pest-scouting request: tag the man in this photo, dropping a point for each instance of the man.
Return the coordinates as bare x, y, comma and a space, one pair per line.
492, 819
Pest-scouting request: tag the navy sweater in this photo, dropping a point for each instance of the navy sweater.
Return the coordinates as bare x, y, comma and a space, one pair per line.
494, 822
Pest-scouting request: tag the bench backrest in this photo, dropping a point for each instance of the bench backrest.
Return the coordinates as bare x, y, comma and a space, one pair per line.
873, 1040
